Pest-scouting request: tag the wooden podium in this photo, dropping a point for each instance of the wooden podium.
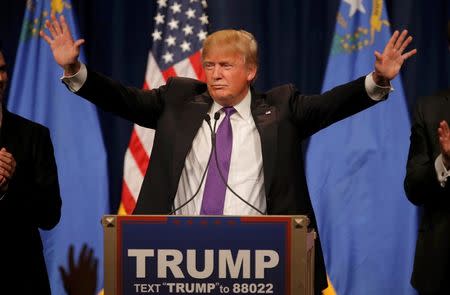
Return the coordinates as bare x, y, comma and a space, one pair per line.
208, 255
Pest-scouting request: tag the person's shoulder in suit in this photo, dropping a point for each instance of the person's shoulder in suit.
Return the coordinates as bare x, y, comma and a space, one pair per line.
185, 81
279, 94
20, 123
433, 104
186, 85
443, 93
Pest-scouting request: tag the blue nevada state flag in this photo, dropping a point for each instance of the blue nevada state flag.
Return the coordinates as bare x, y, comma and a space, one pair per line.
38, 94
355, 169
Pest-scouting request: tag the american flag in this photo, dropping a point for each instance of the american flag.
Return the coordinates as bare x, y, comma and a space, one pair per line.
180, 28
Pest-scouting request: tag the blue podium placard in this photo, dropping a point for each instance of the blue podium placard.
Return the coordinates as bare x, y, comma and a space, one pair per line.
170, 255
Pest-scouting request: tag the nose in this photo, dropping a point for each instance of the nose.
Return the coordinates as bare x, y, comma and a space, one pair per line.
217, 72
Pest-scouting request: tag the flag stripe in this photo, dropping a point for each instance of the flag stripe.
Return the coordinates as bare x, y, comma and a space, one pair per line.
145, 87
132, 174
138, 152
184, 69
153, 76
146, 137
196, 61
128, 200
170, 72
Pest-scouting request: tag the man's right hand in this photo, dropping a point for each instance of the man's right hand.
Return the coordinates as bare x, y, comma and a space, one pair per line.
65, 50
7, 168
444, 142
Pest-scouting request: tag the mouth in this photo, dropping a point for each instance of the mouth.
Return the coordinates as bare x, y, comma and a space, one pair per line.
218, 87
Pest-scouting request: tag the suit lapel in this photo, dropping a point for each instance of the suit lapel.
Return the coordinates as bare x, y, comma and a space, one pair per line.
188, 124
265, 117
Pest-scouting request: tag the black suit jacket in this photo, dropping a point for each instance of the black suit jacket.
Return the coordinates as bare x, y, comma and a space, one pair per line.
32, 201
432, 258
282, 116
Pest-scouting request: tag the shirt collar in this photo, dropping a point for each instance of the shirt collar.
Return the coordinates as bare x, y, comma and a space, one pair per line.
242, 108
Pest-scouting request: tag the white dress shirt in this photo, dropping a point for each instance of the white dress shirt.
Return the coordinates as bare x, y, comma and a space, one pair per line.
245, 176
441, 172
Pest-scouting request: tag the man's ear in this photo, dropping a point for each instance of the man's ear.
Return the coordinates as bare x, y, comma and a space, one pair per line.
251, 72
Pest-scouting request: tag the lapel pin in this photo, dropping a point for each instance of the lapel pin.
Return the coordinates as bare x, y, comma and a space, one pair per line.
268, 112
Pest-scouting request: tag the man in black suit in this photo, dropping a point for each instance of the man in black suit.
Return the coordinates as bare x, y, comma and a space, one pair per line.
266, 169
426, 186
29, 199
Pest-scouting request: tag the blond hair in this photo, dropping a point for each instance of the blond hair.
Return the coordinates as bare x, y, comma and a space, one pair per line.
237, 40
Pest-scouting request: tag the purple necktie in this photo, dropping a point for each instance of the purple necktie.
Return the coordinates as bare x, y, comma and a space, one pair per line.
215, 188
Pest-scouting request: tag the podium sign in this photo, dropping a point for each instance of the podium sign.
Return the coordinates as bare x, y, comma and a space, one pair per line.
171, 255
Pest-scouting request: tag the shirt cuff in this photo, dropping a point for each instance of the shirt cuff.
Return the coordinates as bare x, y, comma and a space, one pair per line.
75, 82
441, 172
375, 91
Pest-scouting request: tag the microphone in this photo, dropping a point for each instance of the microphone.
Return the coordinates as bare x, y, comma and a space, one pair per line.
213, 150
216, 117
213, 138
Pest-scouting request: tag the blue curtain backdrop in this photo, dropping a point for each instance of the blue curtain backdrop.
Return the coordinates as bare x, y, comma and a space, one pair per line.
294, 36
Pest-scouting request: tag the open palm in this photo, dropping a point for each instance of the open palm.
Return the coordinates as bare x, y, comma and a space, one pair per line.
389, 63
65, 50
80, 278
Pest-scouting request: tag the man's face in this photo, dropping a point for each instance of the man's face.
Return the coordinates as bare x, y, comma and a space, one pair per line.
227, 76
3, 77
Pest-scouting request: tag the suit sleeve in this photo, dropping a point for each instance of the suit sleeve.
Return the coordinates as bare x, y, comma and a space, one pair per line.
45, 195
142, 107
313, 113
421, 184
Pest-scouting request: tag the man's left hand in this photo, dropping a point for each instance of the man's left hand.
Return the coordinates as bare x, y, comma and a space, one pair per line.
389, 63
444, 142
7, 168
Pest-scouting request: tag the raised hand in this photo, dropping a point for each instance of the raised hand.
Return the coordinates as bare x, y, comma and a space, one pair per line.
444, 142
65, 50
389, 63
80, 278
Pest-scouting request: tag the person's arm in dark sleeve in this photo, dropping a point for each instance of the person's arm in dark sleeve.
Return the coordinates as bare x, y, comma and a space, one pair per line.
421, 181
45, 198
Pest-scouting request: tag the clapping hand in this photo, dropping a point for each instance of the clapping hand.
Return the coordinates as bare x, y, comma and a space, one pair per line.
7, 168
444, 142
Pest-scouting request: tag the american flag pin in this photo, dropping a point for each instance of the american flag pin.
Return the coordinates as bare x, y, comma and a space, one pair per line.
268, 112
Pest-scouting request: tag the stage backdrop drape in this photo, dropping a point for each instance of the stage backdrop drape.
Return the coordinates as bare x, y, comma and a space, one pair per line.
295, 38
